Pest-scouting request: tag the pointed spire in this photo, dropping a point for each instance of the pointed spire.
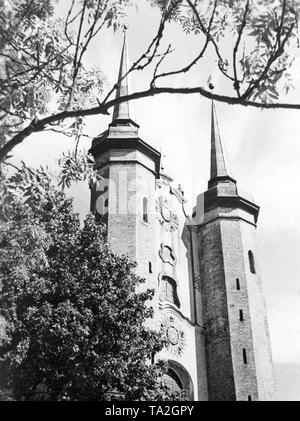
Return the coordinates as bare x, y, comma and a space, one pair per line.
121, 111
219, 167
218, 164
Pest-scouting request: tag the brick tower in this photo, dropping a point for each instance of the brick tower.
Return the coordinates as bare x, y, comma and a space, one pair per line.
204, 268
129, 167
238, 354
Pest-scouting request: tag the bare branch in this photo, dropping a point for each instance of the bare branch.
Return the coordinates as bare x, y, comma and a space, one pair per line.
90, 34
9, 164
163, 56
76, 64
200, 55
281, 22
236, 47
40, 125
148, 56
68, 22
65, 133
153, 55
205, 32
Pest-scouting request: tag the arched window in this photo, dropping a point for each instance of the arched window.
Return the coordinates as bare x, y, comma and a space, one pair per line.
145, 210
168, 290
178, 380
251, 262
173, 382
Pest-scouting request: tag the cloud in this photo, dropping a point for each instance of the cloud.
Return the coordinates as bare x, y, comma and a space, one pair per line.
284, 323
288, 381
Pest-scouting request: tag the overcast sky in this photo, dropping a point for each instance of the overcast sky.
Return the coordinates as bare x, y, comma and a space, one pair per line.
264, 152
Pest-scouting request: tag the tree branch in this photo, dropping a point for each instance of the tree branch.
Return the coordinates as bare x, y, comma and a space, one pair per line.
196, 59
205, 32
40, 125
68, 21
273, 57
76, 64
236, 47
137, 64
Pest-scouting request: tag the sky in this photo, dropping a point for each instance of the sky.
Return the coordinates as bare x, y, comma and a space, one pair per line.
263, 148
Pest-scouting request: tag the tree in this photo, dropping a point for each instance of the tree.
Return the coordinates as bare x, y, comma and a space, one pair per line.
43, 58
75, 312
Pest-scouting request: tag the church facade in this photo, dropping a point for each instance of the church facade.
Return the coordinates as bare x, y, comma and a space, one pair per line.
204, 268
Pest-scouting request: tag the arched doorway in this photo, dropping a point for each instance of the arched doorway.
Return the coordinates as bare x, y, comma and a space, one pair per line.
179, 381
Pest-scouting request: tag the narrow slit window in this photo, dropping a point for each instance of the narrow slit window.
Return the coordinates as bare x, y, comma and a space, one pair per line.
238, 286
245, 356
251, 262
150, 267
249, 398
145, 210
241, 315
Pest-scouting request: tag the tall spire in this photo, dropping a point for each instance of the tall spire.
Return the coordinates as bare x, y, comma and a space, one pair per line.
219, 167
121, 111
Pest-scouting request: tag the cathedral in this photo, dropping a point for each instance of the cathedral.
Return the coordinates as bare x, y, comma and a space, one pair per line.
204, 268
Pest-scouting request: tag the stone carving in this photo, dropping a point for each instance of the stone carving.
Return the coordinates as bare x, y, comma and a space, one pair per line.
167, 255
178, 193
174, 334
168, 218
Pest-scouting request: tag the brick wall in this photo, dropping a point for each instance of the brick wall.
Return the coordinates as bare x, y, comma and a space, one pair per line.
215, 315
234, 313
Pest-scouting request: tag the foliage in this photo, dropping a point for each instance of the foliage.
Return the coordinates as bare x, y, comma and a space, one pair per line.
75, 323
77, 166
42, 58
263, 36
44, 78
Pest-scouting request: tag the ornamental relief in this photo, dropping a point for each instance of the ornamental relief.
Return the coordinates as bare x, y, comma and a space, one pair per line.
167, 217
167, 255
178, 192
174, 335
